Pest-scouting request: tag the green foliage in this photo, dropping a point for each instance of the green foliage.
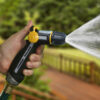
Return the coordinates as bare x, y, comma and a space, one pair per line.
35, 81
59, 15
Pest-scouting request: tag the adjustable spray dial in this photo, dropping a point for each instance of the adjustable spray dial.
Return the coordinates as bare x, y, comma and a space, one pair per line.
33, 36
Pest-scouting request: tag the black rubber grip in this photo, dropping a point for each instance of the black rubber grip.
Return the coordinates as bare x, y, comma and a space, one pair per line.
19, 62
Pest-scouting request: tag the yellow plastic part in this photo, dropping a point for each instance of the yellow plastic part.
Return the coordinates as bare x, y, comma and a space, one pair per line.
50, 38
33, 36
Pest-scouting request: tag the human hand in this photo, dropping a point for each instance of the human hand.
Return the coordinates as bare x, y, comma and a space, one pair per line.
12, 46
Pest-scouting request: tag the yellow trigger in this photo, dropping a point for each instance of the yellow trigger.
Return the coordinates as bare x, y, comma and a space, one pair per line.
33, 36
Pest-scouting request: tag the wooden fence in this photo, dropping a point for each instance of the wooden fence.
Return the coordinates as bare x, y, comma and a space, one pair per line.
28, 93
82, 68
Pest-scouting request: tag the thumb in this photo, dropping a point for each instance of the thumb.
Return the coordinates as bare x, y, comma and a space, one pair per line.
25, 31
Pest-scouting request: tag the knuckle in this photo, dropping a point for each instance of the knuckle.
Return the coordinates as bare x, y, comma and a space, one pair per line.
35, 57
36, 64
32, 56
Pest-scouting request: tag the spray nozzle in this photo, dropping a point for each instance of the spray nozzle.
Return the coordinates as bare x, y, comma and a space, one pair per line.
58, 38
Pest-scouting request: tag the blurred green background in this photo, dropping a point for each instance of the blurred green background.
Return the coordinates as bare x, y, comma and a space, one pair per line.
57, 15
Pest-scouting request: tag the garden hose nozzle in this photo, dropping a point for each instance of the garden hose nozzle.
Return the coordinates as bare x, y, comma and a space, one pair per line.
46, 37
35, 38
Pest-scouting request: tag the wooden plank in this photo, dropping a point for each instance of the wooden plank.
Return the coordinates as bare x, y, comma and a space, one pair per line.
72, 88
13, 97
46, 95
25, 95
92, 65
59, 95
26, 99
27, 88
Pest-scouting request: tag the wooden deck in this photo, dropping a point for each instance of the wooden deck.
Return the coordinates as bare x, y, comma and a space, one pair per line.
72, 88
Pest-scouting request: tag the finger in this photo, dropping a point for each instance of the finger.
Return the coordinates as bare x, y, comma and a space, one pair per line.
25, 31
27, 72
33, 64
40, 49
34, 57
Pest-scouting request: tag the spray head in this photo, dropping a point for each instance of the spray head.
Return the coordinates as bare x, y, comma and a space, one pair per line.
58, 38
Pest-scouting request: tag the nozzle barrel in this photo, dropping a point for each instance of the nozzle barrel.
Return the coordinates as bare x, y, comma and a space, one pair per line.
58, 38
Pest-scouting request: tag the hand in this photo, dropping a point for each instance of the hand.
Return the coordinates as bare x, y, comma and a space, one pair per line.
12, 46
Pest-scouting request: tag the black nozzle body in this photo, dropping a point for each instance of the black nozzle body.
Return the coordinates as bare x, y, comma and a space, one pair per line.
58, 38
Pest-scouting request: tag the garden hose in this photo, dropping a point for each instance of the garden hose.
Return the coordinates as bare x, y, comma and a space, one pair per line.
4, 96
6, 92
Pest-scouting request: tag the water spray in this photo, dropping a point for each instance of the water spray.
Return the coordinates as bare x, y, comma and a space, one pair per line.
87, 37
35, 39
